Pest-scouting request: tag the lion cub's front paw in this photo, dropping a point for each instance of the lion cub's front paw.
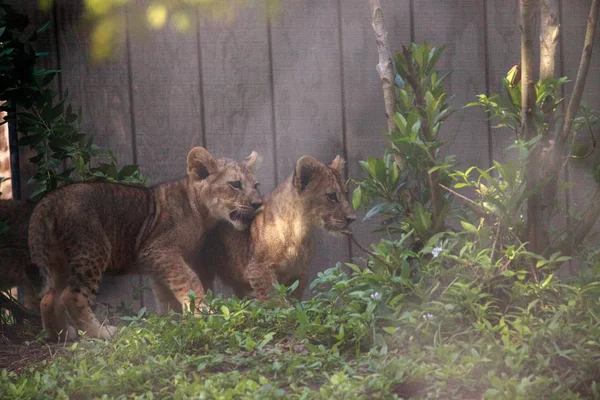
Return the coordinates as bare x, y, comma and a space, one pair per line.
103, 332
110, 331
203, 309
67, 335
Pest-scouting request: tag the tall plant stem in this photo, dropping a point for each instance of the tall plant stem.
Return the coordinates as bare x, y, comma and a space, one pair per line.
582, 73
433, 177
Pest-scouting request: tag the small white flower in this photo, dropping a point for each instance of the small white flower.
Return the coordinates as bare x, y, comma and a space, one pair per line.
376, 296
436, 251
428, 317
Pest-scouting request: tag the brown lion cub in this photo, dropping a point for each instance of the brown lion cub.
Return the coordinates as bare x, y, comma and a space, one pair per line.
278, 247
82, 230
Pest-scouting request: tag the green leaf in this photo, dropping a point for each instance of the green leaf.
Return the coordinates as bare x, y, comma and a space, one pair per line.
468, 227
421, 220
353, 267
43, 28
374, 211
357, 198
294, 285
546, 281
127, 171
226, 312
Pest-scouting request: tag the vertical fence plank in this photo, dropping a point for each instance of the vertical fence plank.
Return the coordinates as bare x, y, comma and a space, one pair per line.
165, 79
365, 112
504, 51
237, 89
459, 25
166, 103
307, 86
101, 89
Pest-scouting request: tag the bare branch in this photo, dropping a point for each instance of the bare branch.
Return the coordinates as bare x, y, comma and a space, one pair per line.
384, 67
582, 73
476, 208
592, 214
375, 256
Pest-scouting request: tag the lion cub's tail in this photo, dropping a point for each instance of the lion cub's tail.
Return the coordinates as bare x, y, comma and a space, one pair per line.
38, 278
41, 226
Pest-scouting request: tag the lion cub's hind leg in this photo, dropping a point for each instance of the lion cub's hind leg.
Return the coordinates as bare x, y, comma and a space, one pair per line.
47, 255
89, 259
55, 319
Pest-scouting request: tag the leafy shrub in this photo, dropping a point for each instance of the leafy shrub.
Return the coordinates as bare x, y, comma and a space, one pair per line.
474, 311
51, 128
403, 185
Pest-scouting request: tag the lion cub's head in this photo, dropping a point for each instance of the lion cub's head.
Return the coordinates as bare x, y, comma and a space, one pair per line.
227, 188
324, 192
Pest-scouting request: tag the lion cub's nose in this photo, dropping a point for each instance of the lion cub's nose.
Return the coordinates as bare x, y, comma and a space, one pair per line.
350, 218
257, 205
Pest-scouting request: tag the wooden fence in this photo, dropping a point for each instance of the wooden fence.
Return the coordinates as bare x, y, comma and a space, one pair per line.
301, 82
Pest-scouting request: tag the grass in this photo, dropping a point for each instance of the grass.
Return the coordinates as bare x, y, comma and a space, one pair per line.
244, 351
316, 350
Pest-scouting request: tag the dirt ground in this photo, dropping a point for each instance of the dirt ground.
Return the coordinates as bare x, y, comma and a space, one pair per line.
20, 347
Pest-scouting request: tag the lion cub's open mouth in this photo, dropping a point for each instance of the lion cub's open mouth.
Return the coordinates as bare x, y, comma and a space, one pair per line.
237, 215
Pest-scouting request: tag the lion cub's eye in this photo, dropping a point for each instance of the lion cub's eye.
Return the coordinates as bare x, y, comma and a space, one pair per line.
236, 184
332, 196
256, 185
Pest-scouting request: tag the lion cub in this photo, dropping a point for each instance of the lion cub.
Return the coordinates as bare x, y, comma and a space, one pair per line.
85, 229
278, 247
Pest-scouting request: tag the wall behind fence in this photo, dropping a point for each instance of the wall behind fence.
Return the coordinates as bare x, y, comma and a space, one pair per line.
301, 82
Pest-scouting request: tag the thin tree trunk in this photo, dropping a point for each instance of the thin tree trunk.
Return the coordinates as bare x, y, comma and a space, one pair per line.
384, 67
534, 215
589, 218
584, 65
548, 38
550, 29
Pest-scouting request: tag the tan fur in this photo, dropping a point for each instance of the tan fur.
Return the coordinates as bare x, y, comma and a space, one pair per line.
14, 253
278, 247
85, 229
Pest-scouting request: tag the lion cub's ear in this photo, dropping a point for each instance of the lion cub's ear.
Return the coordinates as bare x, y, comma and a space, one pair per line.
305, 172
338, 164
252, 161
200, 164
